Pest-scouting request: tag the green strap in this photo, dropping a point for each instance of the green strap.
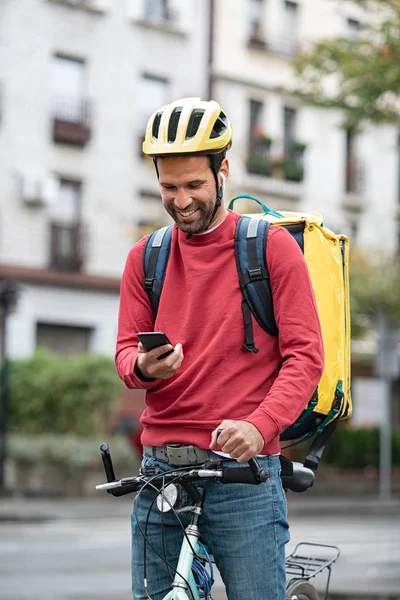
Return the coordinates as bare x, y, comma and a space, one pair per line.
265, 208
330, 417
305, 414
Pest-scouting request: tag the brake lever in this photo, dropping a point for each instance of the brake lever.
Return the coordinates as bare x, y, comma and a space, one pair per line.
260, 474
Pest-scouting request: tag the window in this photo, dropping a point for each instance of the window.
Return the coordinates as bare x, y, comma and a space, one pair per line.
68, 84
66, 206
259, 143
353, 173
289, 35
157, 10
353, 28
65, 227
256, 20
63, 339
256, 129
154, 92
289, 129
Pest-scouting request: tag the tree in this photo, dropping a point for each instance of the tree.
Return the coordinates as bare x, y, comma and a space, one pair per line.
374, 290
359, 75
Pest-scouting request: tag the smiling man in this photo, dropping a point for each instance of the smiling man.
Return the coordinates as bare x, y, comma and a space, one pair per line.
211, 382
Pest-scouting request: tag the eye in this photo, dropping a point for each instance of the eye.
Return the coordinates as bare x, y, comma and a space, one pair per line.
194, 186
168, 187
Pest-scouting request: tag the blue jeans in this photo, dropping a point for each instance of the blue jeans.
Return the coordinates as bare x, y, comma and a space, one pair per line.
244, 526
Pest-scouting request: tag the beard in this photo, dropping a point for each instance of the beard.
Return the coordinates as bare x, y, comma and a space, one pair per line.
198, 222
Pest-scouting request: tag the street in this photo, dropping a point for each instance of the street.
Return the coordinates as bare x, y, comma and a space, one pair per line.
86, 557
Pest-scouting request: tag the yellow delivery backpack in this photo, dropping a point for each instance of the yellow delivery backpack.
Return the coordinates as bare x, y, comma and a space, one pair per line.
327, 256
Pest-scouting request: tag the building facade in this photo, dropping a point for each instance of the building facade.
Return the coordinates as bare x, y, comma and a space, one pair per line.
299, 157
79, 79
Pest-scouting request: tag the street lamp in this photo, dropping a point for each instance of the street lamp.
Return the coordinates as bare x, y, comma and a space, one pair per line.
8, 301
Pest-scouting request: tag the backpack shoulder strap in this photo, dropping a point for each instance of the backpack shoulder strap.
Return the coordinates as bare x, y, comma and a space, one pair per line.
250, 249
155, 261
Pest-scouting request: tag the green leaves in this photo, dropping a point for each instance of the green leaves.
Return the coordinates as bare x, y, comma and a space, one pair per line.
54, 394
360, 75
374, 288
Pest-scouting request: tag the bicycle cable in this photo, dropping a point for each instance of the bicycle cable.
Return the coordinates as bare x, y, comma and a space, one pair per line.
205, 579
135, 511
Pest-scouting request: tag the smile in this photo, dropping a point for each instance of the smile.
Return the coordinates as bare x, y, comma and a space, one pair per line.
187, 213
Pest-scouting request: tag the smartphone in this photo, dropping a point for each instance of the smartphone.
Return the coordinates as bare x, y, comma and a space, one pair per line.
154, 339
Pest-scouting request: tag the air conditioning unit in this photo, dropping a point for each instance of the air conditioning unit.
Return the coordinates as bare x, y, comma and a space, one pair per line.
39, 190
30, 190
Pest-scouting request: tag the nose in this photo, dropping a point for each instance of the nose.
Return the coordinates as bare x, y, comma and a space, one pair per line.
182, 199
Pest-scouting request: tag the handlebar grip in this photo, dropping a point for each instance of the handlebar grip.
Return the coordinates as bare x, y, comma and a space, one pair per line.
122, 491
239, 475
107, 462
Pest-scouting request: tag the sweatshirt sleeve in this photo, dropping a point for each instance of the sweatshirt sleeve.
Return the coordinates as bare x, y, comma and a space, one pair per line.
300, 338
135, 314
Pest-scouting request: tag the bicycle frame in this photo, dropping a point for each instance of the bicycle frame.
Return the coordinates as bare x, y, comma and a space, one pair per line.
189, 548
184, 570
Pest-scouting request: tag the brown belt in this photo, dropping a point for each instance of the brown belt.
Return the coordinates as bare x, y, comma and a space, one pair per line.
178, 455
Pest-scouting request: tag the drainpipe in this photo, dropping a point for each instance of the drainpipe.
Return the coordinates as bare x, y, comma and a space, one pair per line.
211, 12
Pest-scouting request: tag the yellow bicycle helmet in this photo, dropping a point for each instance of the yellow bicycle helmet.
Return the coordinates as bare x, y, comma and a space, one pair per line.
185, 126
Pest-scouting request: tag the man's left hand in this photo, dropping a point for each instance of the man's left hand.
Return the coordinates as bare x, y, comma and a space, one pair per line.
239, 439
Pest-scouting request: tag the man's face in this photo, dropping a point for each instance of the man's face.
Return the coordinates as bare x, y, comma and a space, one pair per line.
188, 191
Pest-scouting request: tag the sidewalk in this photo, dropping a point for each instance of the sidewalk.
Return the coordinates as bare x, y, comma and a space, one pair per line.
14, 509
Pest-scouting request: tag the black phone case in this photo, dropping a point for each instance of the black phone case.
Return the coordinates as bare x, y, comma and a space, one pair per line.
154, 339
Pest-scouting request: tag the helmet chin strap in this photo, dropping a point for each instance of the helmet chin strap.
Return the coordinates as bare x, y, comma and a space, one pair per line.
218, 199
218, 202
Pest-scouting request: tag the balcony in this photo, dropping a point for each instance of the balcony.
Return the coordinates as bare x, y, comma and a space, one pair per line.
95, 6
284, 46
66, 246
256, 38
288, 167
71, 122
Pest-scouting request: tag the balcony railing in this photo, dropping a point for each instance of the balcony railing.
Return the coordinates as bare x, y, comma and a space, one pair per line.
71, 121
289, 167
66, 246
97, 6
280, 45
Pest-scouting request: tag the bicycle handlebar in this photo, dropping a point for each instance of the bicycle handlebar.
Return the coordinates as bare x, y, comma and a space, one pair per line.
254, 474
295, 476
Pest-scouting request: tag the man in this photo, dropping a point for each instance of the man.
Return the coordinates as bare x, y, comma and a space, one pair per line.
211, 381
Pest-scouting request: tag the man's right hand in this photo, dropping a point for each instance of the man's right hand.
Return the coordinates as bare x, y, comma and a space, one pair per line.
152, 368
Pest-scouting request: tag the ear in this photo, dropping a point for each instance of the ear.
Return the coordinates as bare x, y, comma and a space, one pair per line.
225, 170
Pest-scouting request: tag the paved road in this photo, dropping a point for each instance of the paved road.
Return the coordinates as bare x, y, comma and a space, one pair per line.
79, 557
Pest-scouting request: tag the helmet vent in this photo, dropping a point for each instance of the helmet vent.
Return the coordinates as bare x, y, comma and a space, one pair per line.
173, 123
220, 125
156, 125
194, 122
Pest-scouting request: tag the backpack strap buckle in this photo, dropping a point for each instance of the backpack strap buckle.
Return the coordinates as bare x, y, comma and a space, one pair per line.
148, 284
257, 274
252, 275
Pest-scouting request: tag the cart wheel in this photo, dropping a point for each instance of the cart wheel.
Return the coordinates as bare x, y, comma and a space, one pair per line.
302, 590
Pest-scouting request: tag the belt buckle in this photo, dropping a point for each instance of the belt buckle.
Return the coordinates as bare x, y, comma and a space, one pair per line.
181, 455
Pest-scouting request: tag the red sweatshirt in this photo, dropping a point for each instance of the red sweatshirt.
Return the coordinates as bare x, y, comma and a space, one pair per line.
200, 307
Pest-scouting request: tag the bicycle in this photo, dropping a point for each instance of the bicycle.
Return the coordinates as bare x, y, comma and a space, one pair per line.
193, 577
